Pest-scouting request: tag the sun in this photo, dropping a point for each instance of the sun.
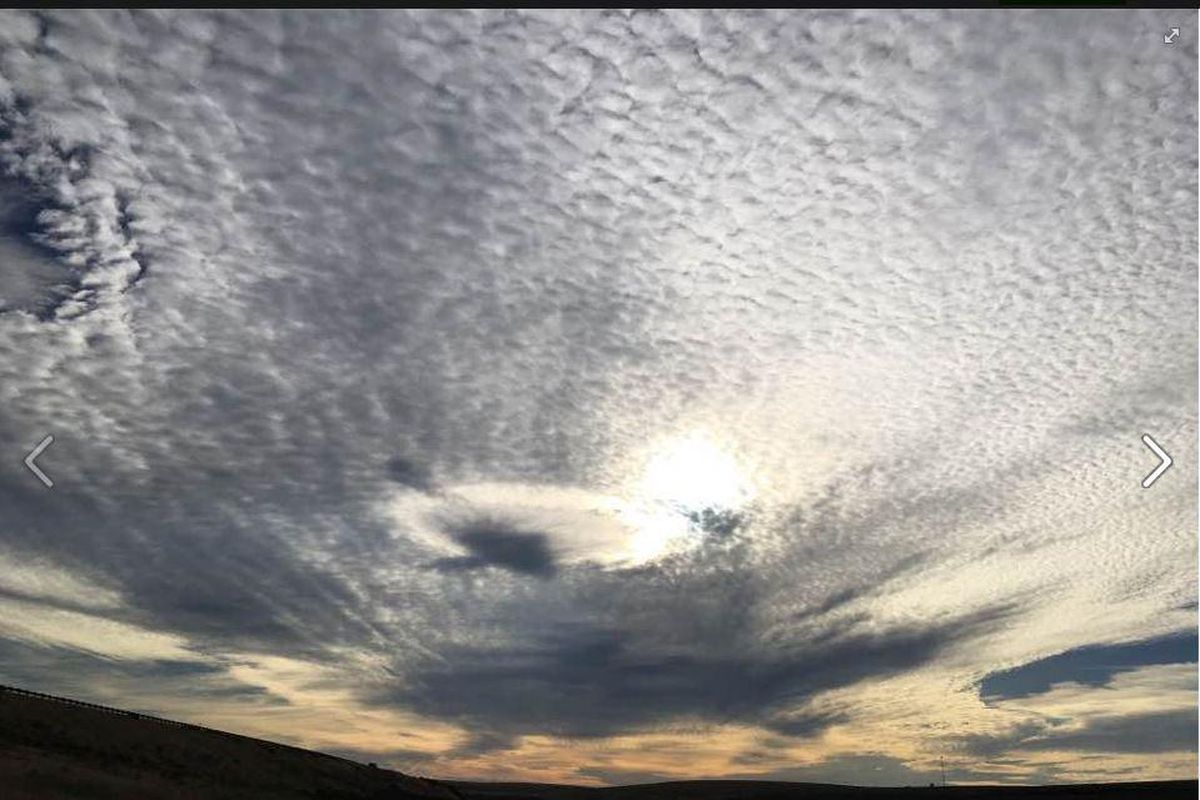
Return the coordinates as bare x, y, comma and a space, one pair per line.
692, 473
680, 478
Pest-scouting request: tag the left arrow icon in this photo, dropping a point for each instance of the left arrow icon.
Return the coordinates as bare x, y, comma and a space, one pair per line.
33, 454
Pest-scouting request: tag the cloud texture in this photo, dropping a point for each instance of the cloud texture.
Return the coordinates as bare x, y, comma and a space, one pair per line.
365, 338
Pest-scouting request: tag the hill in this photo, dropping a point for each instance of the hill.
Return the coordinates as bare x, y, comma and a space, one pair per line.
55, 748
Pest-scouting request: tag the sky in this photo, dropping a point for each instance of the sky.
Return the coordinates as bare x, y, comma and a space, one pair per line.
602, 397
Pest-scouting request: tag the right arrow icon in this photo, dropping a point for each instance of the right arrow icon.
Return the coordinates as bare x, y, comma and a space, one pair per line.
1165, 461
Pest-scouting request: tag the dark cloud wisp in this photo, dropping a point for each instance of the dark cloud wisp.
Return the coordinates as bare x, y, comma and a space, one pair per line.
587, 681
1091, 666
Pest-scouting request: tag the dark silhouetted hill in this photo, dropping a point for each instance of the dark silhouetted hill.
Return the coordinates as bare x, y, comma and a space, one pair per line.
53, 748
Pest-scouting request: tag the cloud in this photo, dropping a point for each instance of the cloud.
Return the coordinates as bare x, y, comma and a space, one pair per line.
1092, 666
584, 681
314, 301
1151, 732
409, 473
33, 280
497, 544
858, 770
1156, 732
1075, 730
159, 686
31, 621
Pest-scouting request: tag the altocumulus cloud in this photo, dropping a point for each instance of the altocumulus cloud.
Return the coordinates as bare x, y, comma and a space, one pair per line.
356, 332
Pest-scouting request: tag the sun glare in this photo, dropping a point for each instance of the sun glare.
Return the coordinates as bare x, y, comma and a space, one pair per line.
692, 473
